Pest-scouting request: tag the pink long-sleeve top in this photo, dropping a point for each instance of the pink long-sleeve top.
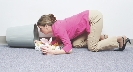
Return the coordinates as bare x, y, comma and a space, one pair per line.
71, 27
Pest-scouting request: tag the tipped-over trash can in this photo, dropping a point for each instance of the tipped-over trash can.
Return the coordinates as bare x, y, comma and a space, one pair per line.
22, 36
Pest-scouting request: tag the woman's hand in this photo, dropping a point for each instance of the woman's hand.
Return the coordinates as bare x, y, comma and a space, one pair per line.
47, 50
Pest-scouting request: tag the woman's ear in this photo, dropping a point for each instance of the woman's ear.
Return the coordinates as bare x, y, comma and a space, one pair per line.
46, 26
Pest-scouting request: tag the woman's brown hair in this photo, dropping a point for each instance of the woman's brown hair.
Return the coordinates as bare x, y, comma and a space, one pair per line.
46, 20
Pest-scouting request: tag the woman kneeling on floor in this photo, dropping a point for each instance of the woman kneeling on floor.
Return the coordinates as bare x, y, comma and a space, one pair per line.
84, 29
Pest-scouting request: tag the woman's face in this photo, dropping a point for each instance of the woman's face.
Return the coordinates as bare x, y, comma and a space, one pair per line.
43, 29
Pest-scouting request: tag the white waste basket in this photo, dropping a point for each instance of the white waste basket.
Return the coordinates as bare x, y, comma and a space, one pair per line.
22, 36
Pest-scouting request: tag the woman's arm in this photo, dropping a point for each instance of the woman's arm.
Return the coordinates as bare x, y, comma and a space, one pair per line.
55, 52
48, 50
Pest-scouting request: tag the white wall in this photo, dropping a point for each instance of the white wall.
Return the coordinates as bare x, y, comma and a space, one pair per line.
118, 14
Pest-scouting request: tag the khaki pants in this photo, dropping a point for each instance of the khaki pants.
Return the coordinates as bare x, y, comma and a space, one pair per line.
92, 40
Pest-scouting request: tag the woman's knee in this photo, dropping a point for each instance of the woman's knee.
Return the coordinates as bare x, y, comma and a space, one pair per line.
79, 44
93, 47
76, 46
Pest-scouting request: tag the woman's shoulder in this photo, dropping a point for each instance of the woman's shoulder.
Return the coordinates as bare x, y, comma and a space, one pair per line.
57, 26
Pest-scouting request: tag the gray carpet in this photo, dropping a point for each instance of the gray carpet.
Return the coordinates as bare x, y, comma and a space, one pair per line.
81, 60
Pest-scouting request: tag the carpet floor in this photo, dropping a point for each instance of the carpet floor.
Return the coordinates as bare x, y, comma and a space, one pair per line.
81, 60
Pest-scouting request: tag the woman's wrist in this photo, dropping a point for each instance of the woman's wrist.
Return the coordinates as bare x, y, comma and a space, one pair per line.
56, 52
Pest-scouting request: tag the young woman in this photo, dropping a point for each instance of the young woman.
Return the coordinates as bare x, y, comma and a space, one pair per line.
82, 29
